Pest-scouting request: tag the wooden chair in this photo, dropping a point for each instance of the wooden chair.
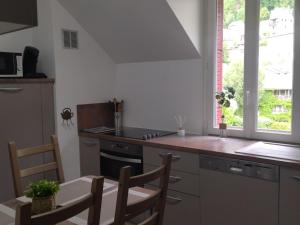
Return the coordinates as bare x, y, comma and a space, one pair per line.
18, 173
91, 201
155, 202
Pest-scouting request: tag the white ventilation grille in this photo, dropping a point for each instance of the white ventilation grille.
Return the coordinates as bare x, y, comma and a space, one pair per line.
70, 39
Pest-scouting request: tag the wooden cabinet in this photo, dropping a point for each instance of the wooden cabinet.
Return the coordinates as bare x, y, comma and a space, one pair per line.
17, 15
26, 116
89, 156
183, 202
289, 210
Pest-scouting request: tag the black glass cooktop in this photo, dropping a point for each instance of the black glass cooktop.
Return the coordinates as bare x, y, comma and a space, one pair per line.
139, 133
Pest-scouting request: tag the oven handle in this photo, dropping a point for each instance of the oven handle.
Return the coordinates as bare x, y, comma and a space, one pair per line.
122, 159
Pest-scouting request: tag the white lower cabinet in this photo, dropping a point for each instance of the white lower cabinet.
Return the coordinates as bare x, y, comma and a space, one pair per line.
289, 210
183, 202
179, 181
89, 156
182, 209
210, 197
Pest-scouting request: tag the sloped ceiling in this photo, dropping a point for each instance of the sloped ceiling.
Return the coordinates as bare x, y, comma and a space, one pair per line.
189, 13
134, 30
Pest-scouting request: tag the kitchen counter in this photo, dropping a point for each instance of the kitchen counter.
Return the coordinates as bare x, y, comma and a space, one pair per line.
282, 155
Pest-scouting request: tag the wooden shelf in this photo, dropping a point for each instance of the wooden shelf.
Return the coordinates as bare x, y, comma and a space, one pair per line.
25, 80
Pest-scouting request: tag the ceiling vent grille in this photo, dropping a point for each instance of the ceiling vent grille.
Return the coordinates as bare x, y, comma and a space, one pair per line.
70, 39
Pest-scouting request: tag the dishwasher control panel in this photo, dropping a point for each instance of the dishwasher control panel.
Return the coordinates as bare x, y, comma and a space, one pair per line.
240, 167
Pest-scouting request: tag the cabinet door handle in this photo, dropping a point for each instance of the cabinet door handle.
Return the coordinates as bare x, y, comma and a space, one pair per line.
174, 179
91, 143
11, 89
173, 200
296, 178
119, 146
174, 157
236, 169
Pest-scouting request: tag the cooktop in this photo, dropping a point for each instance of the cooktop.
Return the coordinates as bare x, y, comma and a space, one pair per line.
134, 133
140, 133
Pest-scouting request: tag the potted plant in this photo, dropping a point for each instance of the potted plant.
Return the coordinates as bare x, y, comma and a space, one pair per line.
43, 195
223, 99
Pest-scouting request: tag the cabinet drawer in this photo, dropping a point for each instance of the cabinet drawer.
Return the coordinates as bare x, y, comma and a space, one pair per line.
90, 143
180, 181
182, 209
182, 161
289, 197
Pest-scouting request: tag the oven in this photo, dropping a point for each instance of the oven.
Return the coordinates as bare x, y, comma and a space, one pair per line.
115, 155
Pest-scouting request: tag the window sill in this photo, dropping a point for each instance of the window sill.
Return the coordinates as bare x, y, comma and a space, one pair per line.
262, 131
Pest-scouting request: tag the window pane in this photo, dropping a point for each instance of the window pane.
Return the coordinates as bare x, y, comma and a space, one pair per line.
275, 81
230, 58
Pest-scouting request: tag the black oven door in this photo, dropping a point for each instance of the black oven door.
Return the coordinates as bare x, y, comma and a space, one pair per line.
112, 162
7, 63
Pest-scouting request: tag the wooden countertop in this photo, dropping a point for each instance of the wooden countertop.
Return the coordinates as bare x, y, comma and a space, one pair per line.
282, 155
25, 80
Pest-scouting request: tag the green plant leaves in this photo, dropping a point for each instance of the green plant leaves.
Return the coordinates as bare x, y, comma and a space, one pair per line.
42, 189
223, 98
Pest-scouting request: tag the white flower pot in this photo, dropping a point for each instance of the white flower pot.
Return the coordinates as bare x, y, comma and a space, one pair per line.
181, 132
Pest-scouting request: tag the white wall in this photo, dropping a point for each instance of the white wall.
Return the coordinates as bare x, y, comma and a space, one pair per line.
156, 91
15, 42
153, 92
43, 38
83, 76
40, 37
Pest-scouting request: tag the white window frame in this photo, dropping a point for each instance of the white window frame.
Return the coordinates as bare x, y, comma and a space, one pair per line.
250, 82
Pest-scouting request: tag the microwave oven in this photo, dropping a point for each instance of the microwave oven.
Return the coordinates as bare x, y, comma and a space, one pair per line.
11, 64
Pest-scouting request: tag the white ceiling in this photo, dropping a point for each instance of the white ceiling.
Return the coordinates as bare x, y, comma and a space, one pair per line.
134, 30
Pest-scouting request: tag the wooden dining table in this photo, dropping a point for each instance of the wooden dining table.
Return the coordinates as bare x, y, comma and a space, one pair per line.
73, 190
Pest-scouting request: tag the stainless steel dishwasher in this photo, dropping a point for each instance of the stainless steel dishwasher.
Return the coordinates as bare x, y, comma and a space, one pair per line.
237, 192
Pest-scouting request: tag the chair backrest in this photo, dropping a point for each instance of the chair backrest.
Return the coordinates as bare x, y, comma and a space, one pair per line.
18, 173
155, 202
91, 201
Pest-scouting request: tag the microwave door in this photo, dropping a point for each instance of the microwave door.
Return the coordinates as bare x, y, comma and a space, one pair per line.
9, 65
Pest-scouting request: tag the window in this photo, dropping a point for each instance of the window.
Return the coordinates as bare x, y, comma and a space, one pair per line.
230, 58
276, 53
278, 109
70, 39
253, 49
283, 94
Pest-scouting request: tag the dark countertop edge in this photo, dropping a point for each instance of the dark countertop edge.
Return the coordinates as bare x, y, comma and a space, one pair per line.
233, 155
26, 80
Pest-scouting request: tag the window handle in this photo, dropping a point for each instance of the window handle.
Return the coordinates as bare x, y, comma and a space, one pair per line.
248, 94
